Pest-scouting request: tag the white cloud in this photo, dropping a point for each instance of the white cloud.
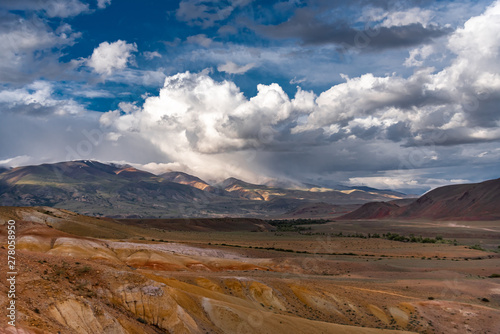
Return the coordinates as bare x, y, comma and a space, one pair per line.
135, 76
37, 99
232, 68
419, 55
21, 160
65, 8
200, 39
196, 120
411, 16
213, 128
52, 8
210, 128
296, 81
151, 54
397, 180
92, 93
384, 182
159, 168
453, 98
103, 3
31, 48
109, 57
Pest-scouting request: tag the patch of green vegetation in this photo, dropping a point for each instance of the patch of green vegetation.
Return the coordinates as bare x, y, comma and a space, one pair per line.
294, 225
398, 237
477, 247
494, 276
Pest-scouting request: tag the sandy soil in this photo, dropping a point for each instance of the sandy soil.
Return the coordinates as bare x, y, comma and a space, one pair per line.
194, 284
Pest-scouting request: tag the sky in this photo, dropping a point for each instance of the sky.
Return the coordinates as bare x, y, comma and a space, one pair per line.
399, 95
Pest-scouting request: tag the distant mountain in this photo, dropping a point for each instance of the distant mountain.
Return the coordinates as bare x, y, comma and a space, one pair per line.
247, 190
389, 192
373, 210
464, 201
190, 180
93, 188
316, 193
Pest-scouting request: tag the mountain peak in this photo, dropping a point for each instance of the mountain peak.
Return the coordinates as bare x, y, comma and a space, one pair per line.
187, 179
232, 181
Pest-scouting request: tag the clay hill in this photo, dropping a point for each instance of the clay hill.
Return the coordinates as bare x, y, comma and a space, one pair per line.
477, 201
97, 189
87, 275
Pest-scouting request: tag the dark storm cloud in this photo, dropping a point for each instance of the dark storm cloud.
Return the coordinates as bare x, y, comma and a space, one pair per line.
453, 137
310, 30
398, 132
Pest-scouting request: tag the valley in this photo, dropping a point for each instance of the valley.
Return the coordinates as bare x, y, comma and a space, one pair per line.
80, 274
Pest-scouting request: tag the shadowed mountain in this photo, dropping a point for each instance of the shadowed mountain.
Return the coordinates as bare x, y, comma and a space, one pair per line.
97, 189
94, 188
373, 210
463, 201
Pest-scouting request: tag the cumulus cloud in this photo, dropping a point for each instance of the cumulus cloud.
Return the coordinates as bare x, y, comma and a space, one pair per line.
232, 68
103, 3
109, 57
381, 122
460, 96
31, 48
196, 121
365, 123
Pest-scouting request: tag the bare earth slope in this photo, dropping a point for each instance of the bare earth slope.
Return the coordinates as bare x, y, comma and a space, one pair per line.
459, 202
220, 282
70, 284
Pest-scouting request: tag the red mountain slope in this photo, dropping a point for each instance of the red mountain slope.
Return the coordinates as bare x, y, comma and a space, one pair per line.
465, 201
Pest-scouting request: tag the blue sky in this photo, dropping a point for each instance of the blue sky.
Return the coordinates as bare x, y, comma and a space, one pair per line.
390, 94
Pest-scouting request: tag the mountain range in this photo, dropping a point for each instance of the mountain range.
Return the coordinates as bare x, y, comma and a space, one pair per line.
475, 201
98, 189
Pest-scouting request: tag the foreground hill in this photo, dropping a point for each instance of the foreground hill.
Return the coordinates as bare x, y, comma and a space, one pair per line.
463, 201
86, 275
97, 189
